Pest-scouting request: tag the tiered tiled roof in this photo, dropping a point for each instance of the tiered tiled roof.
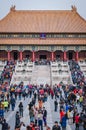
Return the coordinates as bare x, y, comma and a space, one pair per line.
43, 21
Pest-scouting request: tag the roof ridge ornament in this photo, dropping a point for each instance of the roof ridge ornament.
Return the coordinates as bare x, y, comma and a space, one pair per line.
12, 8
74, 8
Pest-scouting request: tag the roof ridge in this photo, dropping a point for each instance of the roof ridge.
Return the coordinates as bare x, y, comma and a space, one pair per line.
81, 17
42, 11
42, 21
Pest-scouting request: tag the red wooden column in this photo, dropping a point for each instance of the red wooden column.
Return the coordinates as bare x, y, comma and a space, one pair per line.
20, 54
33, 56
76, 55
65, 56
8, 55
52, 56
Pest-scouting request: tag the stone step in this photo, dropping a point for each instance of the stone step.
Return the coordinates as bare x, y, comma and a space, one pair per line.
41, 74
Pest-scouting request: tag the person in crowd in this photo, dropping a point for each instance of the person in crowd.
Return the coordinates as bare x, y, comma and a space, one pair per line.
81, 100
24, 94
40, 103
62, 113
20, 95
52, 93
35, 93
45, 116
70, 116
40, 120
17, 120
21, 109
31, 126
45, 96
30, 105
56, 126
48, 128
12, 102
5, 125
33, 101
55, 105
30, 92
36, 115
64, 122
77, 120
37, 127
31, 114
6, 103
2, 112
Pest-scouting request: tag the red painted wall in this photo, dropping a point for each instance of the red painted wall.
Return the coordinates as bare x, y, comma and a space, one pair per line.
48, 54
82, 55
3, 55
58, 53
26, 53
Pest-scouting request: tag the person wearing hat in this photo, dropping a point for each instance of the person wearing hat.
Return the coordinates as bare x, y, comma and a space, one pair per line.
56, 126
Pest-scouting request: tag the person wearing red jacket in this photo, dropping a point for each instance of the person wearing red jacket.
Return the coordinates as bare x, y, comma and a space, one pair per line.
77, 120
62, 113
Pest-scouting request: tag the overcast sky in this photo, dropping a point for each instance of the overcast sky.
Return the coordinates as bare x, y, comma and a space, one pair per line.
42, 5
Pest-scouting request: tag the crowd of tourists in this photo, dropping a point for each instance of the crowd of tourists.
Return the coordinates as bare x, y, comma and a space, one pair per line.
77, 75
7, 72
69, 101
42, 62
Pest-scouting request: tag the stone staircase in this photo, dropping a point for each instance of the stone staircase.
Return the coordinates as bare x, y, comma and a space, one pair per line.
23, 73
41, 74
60, 72
82, 65
2, 65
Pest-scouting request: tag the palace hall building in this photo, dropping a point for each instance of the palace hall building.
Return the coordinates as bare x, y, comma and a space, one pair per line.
43, 34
